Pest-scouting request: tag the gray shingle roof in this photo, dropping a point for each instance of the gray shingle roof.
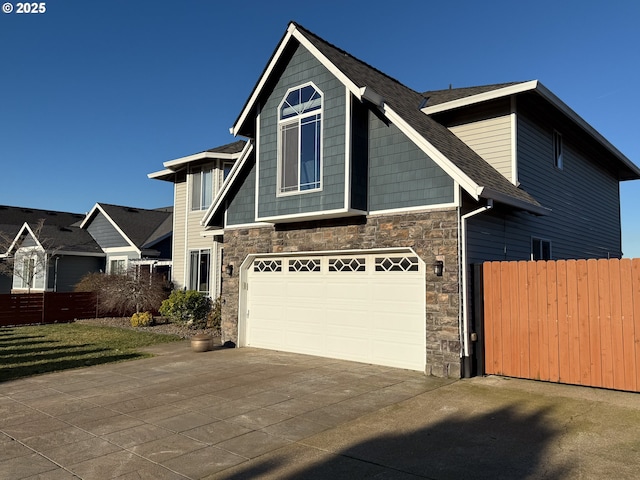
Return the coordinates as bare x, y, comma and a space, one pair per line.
12, 218
68, 239
235, 147
406, 102
138, 224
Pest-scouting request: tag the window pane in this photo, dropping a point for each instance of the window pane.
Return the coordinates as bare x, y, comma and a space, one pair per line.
289, 179
226, 170
193, 270
546, 250
204, 271
207, 189
310, 153
196, 190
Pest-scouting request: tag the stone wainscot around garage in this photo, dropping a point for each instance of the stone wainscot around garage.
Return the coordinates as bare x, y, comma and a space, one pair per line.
431, 235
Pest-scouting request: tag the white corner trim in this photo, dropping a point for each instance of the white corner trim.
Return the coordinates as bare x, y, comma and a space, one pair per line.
347, 149
514, 142
443, 162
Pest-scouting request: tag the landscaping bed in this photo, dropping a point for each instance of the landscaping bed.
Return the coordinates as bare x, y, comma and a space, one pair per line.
161, 325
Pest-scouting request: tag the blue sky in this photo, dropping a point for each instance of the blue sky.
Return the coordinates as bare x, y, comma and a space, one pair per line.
96, 94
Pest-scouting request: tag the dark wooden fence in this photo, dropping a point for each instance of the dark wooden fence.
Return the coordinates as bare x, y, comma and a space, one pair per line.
573, 321
50, 307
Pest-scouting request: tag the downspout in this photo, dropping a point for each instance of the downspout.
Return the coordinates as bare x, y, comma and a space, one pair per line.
465, 327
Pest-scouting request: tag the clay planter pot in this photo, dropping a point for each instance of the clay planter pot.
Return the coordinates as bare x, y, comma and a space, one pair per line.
201, 342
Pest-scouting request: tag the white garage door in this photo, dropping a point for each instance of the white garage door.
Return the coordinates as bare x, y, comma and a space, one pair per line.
364, 307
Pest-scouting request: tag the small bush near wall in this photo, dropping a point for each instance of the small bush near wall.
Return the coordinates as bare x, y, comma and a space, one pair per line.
142, 319
187, 308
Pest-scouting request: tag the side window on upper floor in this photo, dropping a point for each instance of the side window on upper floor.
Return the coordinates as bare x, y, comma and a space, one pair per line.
557, 150
201, 188
300, 140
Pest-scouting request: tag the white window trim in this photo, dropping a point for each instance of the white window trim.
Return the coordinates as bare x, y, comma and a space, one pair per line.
118, 258
188, 269
297, 118
198, 171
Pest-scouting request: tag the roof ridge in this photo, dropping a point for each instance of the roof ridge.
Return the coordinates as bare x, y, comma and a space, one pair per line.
344, 52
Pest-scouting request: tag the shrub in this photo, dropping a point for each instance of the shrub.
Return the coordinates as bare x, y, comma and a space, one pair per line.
124, 294
214, 319
142, 319
188, 307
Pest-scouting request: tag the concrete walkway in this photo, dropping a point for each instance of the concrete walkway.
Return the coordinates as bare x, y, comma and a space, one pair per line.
249, 413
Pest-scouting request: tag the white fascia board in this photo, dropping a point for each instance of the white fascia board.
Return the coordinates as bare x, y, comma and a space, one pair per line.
89, 215
114, 224
160, 174
212, 233
265, 76
246, 151
25, 226
292, 31
443, 162
172, 165
327, 214
481, 97
582, 123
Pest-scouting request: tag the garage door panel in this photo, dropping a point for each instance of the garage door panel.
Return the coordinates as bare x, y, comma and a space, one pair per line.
368, 316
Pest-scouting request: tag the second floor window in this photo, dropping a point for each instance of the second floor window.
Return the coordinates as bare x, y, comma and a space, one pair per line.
557, 149
299, 140
201, 188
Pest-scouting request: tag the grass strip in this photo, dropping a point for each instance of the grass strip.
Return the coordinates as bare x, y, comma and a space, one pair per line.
33, 350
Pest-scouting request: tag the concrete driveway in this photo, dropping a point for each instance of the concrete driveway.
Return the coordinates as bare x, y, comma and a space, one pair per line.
252, 413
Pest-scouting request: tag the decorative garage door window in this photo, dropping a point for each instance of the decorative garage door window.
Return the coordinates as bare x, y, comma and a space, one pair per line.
304, 265
396, 264
347, 265
368, 263
267, 265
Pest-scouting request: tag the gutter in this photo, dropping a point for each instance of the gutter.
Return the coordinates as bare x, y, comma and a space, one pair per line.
465, 327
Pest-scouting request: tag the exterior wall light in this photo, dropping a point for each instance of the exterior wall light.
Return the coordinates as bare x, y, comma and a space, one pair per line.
438, 267
229, 269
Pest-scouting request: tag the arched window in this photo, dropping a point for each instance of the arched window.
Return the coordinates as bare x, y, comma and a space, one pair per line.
299, 137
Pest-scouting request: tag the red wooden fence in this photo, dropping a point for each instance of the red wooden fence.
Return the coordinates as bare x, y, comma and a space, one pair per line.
569, 321
50, 307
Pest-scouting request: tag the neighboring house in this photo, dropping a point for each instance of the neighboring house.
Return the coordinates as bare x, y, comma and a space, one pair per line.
197, 180
352, 215
57, 257
132, 237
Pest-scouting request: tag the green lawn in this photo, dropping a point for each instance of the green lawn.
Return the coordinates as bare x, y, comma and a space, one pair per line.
31, 350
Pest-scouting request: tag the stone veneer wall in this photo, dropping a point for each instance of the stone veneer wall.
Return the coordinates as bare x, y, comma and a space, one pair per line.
430, 234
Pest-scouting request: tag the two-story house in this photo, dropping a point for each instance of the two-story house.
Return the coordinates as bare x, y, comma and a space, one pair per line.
197, 252
350, 218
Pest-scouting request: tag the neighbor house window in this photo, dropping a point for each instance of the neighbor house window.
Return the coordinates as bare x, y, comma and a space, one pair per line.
540, 249
299, 137
557, 149
117, 266
28, 273
199, 266
201, 188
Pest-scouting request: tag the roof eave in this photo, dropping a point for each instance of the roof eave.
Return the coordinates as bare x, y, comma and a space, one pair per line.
489, 194
544, 92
